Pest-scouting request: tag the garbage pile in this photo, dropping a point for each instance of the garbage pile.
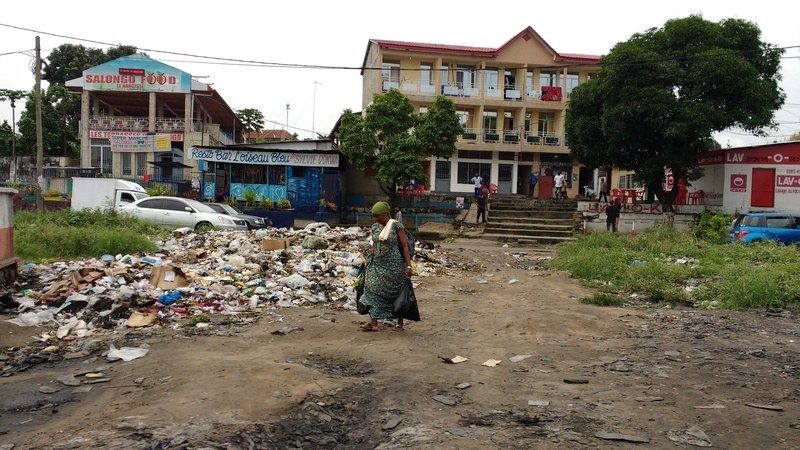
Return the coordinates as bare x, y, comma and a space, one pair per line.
199, 276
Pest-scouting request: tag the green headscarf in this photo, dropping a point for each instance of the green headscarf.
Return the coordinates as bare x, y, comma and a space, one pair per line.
380, 208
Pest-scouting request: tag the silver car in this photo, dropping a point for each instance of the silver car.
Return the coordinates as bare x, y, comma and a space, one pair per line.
253, 222
180, 212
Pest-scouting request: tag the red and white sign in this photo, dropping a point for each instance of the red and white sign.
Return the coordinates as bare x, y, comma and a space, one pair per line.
106, 134
789, 180
738, 182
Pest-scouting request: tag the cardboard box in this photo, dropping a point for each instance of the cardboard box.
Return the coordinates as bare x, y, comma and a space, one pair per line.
168, 277
274, 244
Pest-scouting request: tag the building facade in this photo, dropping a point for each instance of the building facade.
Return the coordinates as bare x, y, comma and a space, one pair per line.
757, 178
139, 117
511, 100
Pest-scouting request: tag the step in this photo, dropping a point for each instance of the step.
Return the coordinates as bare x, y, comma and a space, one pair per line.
524, 233
529, 227
559, 215
528, 239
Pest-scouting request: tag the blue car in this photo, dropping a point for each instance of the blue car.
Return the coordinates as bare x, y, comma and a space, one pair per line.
753, 227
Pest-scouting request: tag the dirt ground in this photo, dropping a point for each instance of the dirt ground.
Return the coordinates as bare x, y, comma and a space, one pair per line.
639, 376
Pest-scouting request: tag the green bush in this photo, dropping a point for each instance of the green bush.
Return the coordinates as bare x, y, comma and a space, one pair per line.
604, 299
66, 234
159, 189
250, 198
713, 227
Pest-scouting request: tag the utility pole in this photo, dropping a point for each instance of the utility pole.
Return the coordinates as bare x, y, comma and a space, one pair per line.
287, 117
39, 143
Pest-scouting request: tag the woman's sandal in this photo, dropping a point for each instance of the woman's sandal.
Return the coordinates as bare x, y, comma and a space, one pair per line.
367, 326
398, 328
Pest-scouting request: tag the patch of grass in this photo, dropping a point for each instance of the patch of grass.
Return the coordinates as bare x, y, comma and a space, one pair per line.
669, 266
603, 299
66, 234
197, 318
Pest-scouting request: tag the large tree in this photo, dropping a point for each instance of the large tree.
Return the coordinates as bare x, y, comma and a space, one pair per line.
61, 108
252, 119
59, 133
390, 137
661, 94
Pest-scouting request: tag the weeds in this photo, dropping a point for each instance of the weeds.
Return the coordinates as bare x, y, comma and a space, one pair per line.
603, 299
669, 266
66, 234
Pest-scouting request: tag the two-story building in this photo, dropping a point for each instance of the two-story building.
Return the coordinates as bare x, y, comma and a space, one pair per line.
139, 116
511, 100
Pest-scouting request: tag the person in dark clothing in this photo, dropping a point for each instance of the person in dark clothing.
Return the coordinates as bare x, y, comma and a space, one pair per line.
483, 199
613, 211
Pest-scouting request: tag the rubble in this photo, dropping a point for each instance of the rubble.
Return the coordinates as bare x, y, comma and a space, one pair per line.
195, 281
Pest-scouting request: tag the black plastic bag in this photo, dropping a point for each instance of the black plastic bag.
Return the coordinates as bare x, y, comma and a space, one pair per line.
405, 306
361, 308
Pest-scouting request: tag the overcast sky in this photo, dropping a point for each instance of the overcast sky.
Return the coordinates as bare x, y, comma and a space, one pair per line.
327, 33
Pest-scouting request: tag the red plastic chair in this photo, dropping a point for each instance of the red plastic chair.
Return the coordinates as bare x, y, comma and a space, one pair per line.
616, 194
696, 197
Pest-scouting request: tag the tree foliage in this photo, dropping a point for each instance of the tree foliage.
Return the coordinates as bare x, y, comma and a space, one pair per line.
252, 119
59, 124
392, 138
60, 107
68, 61
661, 94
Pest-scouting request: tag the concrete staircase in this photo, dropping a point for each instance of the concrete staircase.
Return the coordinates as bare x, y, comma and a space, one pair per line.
530, 222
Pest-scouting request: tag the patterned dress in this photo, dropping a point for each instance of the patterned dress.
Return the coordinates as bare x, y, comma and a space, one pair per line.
384, 275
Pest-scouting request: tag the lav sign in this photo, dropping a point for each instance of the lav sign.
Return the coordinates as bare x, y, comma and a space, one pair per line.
738, 182
789, 180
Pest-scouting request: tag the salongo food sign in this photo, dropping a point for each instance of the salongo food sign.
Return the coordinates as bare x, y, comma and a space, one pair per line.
136, 73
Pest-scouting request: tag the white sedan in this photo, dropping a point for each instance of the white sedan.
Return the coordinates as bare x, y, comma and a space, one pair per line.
180, 212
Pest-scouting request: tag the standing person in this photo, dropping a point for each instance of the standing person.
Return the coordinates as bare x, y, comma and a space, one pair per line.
387, 270
558, 185
602, 190
477, 181
483, 199
398, 215
532, 180
612, 215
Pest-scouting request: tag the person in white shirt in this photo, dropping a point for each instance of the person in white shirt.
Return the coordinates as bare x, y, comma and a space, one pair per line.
558, 185
477, 181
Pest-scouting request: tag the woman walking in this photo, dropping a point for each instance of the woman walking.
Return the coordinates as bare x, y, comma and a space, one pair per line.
388, 268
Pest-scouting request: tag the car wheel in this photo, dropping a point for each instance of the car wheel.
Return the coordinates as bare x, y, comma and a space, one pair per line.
202, 225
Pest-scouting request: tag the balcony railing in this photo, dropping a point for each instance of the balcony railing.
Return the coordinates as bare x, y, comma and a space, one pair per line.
123, 123
541, 95
513, 136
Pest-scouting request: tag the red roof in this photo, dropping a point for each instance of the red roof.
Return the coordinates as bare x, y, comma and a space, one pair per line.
272, 135
526, 34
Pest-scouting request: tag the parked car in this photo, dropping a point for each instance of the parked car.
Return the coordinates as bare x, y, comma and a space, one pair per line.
753, 227
181, 212
253, 222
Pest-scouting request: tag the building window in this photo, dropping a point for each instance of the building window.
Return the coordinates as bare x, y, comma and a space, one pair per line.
466, 170
506, 156
248, 174
100, 150
546, 123
298, 172
277, 175
390, 74
490, 121
549, 78
126, 164
492, 82
141, 164
474, 154
573, 81
425, 74
466, 77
